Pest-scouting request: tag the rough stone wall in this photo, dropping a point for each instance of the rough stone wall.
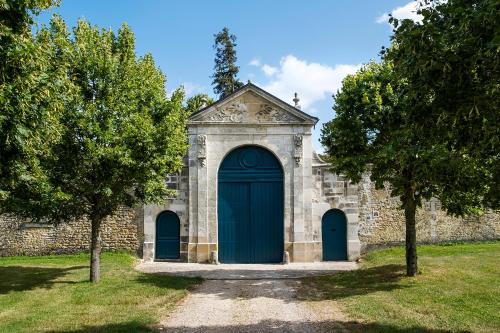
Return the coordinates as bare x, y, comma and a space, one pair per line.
19, 237
332, 191
381, 221
177, 204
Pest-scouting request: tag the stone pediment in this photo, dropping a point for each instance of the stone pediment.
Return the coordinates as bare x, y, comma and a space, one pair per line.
251, 105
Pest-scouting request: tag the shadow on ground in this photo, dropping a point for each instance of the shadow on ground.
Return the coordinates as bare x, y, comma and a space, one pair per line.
246, 271
21, 278
359, 282
242, 274
336, 285
112, 328
270, 326
166, 281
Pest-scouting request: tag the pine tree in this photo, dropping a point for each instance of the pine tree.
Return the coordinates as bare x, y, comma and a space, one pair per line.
225, 76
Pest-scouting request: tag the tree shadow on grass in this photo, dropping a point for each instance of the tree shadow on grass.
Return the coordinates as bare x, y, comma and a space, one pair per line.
357, 282
270, 326
22, 278
167, 281
112, 328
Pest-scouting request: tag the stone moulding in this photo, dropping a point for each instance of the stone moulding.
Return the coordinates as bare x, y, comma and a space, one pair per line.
202, 149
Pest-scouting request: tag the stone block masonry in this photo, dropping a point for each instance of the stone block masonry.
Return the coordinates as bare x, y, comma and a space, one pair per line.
122, 231
382, 222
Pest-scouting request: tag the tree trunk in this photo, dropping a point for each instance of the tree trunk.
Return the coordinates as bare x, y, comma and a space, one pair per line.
95, 250
411, 233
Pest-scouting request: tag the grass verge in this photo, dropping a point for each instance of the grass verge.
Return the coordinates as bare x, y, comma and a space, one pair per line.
458, 290
52, 294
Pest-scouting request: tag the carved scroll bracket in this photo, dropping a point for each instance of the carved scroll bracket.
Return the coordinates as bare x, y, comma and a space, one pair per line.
297, 151
202, 149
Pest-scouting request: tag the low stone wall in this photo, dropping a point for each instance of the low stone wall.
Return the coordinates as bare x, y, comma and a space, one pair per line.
119, 232
382, 221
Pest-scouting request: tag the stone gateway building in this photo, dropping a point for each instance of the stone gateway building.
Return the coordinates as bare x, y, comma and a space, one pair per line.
253, 190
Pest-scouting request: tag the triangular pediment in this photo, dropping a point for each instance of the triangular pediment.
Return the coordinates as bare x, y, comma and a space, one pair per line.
251, 105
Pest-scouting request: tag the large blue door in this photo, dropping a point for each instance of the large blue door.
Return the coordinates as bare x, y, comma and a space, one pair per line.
334, 234
250, 207
167, 236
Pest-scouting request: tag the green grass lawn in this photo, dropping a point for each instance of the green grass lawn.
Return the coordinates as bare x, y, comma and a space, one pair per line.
458, 290
51, 294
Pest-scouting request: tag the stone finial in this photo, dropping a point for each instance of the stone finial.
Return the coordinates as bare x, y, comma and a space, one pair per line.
296, 100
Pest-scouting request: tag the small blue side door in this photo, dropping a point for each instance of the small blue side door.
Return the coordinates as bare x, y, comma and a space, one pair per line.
334, 234
167, 236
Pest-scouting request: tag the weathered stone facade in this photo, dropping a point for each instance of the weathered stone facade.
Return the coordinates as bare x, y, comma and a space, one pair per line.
248, 117
382, 221
119, 232
332, 191
252, 117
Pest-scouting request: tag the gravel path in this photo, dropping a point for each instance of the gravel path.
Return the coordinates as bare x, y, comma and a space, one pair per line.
265, 305
247, 271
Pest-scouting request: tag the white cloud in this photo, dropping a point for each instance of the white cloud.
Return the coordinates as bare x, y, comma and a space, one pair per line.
269, 70
254, 62
312, 81
408, 11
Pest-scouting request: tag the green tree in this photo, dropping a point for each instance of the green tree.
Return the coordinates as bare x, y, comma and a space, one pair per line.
122, 136
119, 134
32, 87
377, 129
197, 102
226, 71
451, 63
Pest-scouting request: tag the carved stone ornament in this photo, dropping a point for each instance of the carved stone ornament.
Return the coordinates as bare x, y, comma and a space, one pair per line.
202, 149
233, 113
269, 114
297, 155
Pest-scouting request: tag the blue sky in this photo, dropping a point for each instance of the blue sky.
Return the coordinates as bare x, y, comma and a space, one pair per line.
283, 46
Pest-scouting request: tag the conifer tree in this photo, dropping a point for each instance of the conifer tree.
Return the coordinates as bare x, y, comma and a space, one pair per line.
226, 71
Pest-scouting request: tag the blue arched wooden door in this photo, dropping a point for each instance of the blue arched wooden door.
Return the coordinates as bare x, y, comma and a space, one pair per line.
250, 207
334, 234
167, 236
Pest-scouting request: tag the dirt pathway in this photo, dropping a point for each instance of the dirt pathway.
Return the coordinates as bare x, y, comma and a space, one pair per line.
267, 305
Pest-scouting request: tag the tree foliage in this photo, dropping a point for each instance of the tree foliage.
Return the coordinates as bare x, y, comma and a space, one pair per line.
198, 102
451, 62
118, 134
377, 130
31, 90
425, 120
225, 70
